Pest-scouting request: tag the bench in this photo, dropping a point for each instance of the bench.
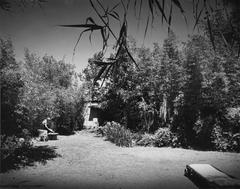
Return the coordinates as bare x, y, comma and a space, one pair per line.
207, 176
52, 136
43, 135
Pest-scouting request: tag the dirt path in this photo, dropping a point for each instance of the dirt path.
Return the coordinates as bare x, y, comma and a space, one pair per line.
90, 162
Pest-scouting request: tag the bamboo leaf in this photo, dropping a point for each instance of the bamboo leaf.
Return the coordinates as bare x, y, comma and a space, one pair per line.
90, 26
114, 16
103, 33
90, 19
178, 4
146, 28
102, 63
225, 41
100, 73
163, 6
135, 5
238, 50
170, 18
106, 73
90, 37
140, 9
197, 4
101, 18
114, 7
197, 19
193, 7
119, 48
108, 35
121, 34
101, 6
117, 15
124, 7
161, 10
111, 59
150, 3
210, 32
129, 54
128, 3
74, 50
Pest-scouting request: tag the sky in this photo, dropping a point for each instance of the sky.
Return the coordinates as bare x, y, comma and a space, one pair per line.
37, 28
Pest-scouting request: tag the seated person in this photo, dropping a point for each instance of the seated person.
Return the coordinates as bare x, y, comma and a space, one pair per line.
45, 124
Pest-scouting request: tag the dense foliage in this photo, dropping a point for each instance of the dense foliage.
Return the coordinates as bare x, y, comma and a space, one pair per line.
163, 137
50, 90
36, 89
11, 84
31, 91
191, 89
117, 134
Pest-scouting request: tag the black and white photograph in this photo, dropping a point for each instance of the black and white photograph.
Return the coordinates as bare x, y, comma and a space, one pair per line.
120, 94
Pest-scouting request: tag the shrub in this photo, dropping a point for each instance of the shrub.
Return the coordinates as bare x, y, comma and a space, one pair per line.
226, 137
11, 144
225, 141
70, 105
19, 152
117, 134
233, 119
163, 137
137, 136
146, 140
8, 145
50, 89
203, 129
25, 135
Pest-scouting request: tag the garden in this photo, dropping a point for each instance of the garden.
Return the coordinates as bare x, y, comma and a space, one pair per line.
179, 94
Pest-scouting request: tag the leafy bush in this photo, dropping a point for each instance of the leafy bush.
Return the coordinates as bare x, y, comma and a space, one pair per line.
225, 141
203, 129
147, 114
117, 134
69, 104
163, 137
50, 89
19, 152
225, 135
11, 144
146, 140
8, 145
233, 119
137, 136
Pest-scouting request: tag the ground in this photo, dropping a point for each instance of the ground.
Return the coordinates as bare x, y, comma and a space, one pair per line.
88, 161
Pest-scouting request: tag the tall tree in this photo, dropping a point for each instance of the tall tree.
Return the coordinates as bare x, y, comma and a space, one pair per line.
11, 84
172, 74
192, 90
48, 91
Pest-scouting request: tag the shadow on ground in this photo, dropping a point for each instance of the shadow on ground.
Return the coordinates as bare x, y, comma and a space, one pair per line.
23, 157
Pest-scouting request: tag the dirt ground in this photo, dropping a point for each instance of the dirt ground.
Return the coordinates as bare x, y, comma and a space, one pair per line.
88, 161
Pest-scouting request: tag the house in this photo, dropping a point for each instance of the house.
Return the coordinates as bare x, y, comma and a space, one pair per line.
91, 114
